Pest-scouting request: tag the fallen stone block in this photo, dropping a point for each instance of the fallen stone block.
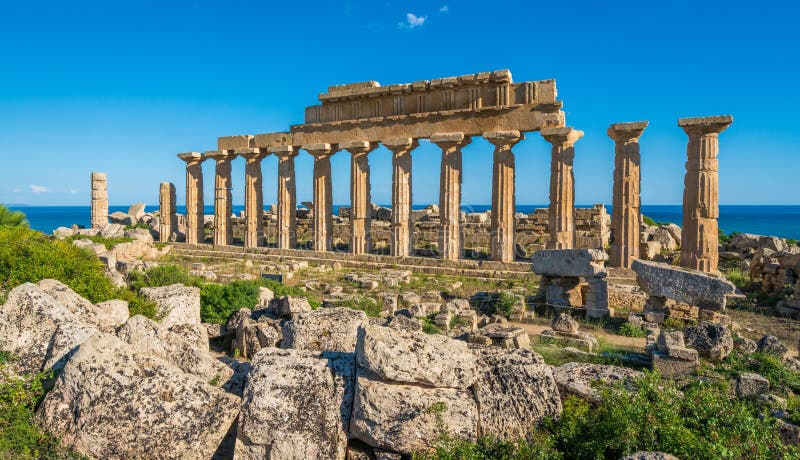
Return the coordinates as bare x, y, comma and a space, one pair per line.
569, 262
682, 285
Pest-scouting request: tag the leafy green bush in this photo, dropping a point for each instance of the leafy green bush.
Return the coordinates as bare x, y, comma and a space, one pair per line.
771, 367
649, 221
219, 301
162, 275
9, 218
365, 304
629, 330
700, 421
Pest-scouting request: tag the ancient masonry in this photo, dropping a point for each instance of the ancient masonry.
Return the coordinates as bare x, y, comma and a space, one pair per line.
168, 223
358, 117
99, 200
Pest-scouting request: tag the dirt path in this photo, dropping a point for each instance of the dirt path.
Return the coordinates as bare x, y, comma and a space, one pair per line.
537, 325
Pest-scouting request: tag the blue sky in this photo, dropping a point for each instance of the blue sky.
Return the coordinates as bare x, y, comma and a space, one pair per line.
122, 87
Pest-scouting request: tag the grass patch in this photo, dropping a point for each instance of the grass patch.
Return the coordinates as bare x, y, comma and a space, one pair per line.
365, 304
771, 367
629, 330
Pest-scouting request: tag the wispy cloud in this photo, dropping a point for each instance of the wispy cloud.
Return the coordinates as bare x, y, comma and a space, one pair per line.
38, 188
412, 21
444, 9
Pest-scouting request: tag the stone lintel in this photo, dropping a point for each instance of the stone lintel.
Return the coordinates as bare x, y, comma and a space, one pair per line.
705, 125
627, 131
567, 135
359, 147
191, 156
438, 138
235, 142
220, 155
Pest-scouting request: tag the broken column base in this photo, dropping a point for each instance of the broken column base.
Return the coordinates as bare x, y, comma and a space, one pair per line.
669, 366
580, 340
501, 336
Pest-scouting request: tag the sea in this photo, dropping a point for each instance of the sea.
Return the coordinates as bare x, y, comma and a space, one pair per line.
775, 220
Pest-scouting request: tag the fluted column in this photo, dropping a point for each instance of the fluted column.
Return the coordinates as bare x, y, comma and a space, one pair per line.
223, 200
99, 217
253, 197
503, 197
450, 246
287, 196
699, 234
168, 218
562, 187
401, 244
195, 231
323, 204
360, 201
626, 202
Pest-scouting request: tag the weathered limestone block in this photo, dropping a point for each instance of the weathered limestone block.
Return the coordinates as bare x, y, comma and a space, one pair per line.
287, 305
514, 391
28, 321
581, 340
325, 329
577, 378
105, 316
683, 285
415, 357
177, 304
772, 345
195, 334
251, 336
148, 337
409, 418
571, 263
713, 341
749, 384
564, 322
296, 405
113, 401
505, 336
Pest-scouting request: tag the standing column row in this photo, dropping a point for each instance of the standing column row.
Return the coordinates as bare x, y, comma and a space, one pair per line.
562, 187
626, 203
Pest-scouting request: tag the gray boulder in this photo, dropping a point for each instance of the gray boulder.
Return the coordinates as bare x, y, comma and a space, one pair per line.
415, 357
288, 306
772, 345
569, 262
564, 322
712, 341
410, 418
296, 405
580, 379
136, 211
325, 329
112, 401
514, 391
749, 384
177, 304
683, 285
745, 345
106, 315
114, 230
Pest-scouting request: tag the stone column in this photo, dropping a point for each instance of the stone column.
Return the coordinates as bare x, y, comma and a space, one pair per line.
699, 234
450, 246
195, 212
323, 204
627, 187
503, 199
360, 202
401, 239
223, 200
168, 223
287, 197
99, 217
253, 197
562, 187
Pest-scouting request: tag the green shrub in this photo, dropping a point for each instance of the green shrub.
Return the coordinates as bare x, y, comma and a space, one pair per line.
162, 275
629, 330
649, 221
219, 301
9, 218
699, 421
771, 367
365, 304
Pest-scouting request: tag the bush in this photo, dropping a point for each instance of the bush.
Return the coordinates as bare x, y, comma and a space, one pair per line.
649, 221
219, 301
9, 218
365, 304
162, 275
771, 367
629, 330
700, 421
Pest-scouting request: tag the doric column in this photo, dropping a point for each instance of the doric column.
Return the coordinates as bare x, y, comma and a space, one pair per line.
562, 187
360, 204
626, 203
450, 246
99, 218
195, 226
287, 196
699, 234
223, 200
503, 200
168, 222
323, 204
253, 197
401, 239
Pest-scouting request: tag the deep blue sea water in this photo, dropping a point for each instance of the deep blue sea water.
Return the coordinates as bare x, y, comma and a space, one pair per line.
783, 221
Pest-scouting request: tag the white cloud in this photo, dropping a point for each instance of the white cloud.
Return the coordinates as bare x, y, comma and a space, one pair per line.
444, 9
412, 21
38, 188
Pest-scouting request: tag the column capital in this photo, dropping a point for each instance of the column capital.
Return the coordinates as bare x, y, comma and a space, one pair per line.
321, 150
505, 139
565, 136
220, 155
283, 150
400, 143
252, 154
627, 132
192, 157
450, 140
700, 126
359, 147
